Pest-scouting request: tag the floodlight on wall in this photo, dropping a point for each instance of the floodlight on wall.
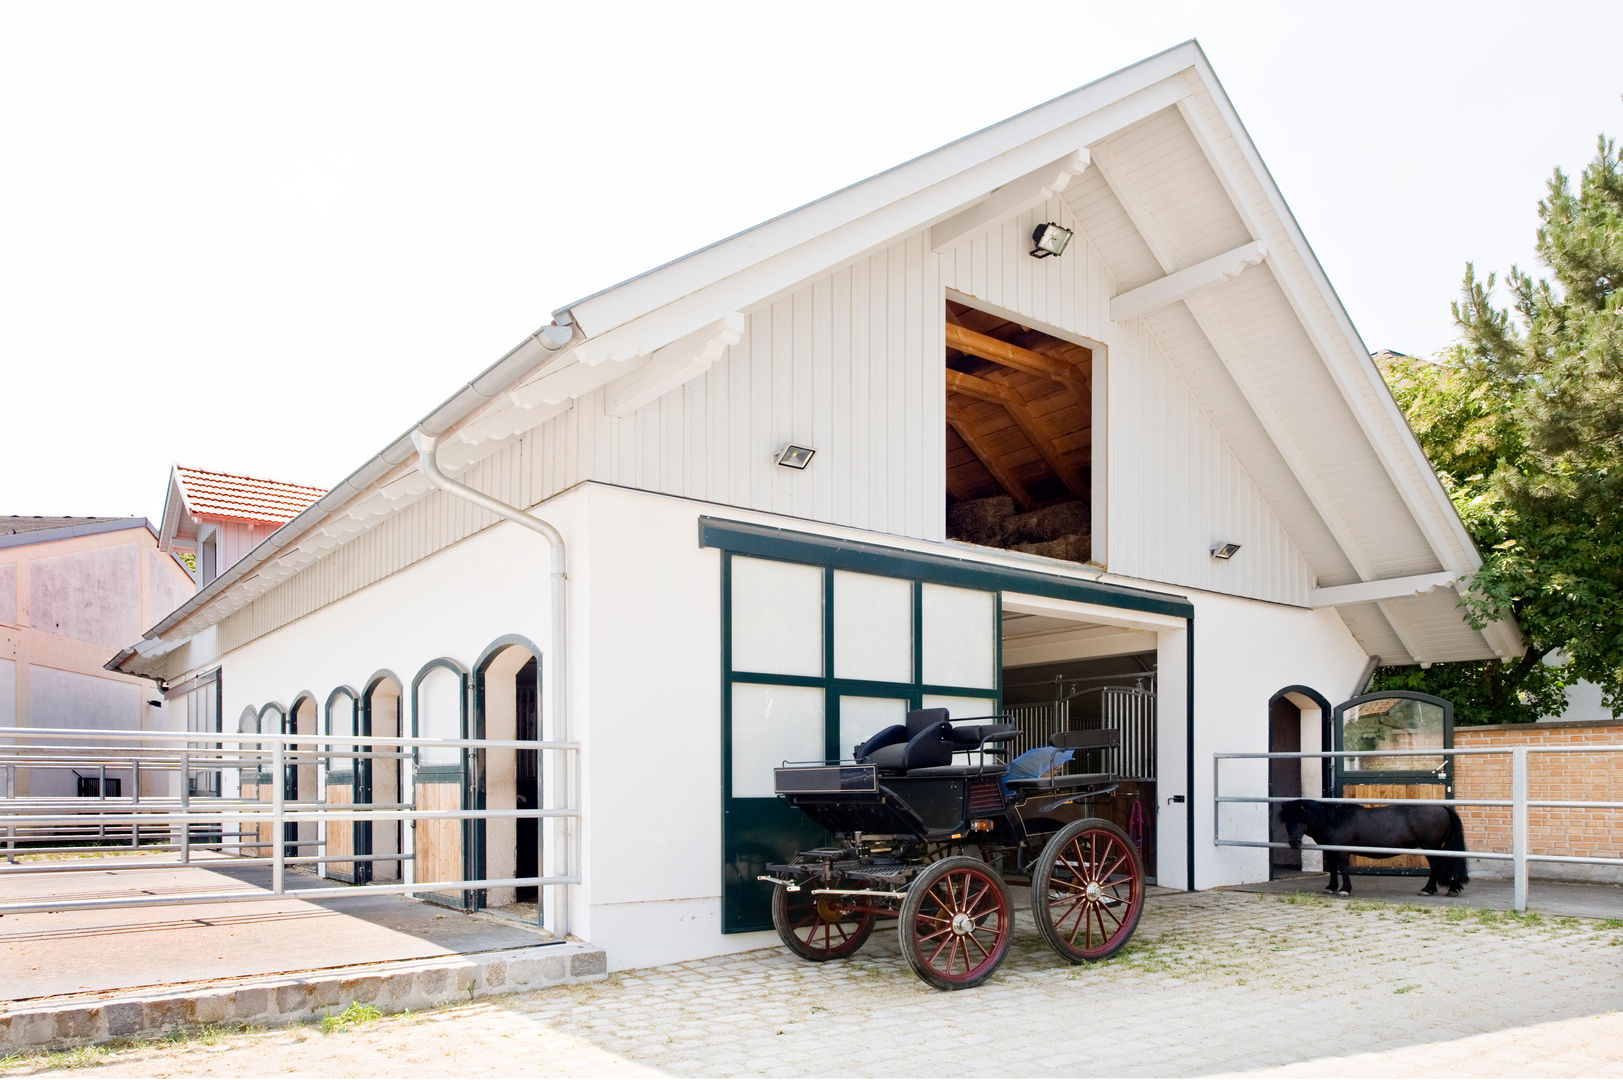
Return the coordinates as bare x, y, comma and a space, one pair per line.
1225, 551
794, 457
1050, 239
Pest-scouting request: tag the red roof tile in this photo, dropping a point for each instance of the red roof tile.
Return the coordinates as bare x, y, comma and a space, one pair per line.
243, 498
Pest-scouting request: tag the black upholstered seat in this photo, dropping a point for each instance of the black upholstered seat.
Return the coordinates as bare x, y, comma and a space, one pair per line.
924, 741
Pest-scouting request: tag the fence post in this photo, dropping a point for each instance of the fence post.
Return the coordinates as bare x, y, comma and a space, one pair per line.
1518, 824
185, 807
11, 829
278, 840
135, 799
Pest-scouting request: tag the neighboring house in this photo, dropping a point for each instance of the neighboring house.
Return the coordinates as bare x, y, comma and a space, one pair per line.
73, 590
1179, 470
218, 517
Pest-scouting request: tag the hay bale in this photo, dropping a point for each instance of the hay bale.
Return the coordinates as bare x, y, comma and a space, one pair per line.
980, 521
1049, 523
1075, 548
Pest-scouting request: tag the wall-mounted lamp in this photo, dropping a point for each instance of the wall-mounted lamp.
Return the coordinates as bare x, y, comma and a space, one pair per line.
1224, 552
1050, 239
794, 457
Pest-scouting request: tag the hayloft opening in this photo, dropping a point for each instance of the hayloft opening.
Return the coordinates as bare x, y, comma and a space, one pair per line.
1019, 437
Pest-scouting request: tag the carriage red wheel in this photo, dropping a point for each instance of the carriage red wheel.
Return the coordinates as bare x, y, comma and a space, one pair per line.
819, 927
1088, 890
956, 923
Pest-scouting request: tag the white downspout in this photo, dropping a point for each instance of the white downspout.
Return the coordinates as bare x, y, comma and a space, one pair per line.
426, 463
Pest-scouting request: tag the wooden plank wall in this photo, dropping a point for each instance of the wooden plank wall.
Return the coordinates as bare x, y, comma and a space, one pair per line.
438, 844
340, 834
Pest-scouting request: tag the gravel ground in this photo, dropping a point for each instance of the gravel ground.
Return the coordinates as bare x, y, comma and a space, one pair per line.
1214, 983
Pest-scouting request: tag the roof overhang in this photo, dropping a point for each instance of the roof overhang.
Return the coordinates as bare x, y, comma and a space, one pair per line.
649, 334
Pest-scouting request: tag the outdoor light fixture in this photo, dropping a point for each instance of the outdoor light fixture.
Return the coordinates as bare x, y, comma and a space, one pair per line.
1224, 551
794, 457
1050, 240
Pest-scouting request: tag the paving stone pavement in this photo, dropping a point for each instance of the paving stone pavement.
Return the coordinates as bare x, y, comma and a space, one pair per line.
1214, 983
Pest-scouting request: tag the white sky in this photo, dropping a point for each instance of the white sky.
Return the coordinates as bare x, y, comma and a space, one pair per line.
268, 238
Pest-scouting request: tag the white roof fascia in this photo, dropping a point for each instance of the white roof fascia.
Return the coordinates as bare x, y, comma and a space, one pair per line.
885, 205
1396, 447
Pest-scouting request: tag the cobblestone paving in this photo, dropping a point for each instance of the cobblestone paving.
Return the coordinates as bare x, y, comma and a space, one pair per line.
1213, 983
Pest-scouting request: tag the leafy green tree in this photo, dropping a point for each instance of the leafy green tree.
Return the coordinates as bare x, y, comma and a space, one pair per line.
1524, 423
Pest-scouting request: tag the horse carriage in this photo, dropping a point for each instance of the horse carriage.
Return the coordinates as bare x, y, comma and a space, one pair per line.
932, 823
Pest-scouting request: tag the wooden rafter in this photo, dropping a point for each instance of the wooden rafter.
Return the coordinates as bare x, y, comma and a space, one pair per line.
975, 439
1001, 352
1015, 406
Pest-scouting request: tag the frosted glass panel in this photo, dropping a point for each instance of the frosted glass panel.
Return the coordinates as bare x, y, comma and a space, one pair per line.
777, 617
960, 637
771, 725
873, 627
861, 717
439, 716
962, 708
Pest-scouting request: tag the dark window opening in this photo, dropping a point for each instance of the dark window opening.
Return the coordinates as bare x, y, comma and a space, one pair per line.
527, 717
90, 787
1019, 437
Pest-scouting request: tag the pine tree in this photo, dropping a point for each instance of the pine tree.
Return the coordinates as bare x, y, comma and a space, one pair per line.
1524, 422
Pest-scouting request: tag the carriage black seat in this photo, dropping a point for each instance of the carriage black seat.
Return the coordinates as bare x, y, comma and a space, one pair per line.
925, 745
975, 736
1095, 739
917, 720
923, 742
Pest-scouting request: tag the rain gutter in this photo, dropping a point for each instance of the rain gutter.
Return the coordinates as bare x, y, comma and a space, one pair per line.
529, 354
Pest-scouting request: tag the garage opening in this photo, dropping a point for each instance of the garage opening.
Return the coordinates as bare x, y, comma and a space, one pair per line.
1019, 437
1066, 674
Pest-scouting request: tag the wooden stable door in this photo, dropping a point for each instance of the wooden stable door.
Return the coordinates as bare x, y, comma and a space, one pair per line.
439, 853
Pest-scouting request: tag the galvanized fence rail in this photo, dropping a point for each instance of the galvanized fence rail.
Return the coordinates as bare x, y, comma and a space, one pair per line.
1519, 802
184, 823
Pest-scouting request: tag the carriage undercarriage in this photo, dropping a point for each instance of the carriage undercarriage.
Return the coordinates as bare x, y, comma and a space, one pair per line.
937, 847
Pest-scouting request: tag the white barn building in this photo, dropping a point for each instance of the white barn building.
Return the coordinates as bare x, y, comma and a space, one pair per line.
1181, 377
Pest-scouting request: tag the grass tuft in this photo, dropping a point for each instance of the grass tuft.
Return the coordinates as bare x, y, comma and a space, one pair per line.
355, 1015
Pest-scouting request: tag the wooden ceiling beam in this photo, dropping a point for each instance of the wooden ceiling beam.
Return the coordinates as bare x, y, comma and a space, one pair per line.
986, 390
976, 387
1001, 352
970, 432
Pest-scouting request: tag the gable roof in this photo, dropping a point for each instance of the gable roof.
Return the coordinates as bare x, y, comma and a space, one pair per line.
197, 496
209, 494
17, 531
1159, 171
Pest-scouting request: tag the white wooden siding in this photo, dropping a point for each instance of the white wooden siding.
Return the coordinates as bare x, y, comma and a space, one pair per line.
849, 365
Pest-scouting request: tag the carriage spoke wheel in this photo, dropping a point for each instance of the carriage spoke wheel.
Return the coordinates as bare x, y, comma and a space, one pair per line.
956, 923
1088, 890
819, 927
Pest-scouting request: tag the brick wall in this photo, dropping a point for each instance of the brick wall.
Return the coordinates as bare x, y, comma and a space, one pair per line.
1551, 830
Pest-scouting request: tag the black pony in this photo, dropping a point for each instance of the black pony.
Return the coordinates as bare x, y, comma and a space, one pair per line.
1435, 827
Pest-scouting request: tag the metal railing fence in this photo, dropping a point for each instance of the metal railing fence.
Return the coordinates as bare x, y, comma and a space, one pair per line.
1519, 802
182, 822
